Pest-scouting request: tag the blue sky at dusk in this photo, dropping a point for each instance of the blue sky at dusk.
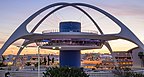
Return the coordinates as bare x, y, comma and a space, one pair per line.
130, 12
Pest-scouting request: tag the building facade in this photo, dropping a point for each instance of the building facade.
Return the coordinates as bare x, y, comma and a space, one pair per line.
124, 59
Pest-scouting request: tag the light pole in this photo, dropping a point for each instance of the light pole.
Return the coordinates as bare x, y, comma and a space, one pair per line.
38, 49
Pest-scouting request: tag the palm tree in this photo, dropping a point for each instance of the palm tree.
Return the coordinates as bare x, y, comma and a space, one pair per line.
140, 54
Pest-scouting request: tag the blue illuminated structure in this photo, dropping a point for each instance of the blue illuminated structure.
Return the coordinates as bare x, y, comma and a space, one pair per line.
70, 58
70, 27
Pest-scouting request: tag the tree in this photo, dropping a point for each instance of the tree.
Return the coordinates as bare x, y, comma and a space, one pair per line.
140, 54
65, 72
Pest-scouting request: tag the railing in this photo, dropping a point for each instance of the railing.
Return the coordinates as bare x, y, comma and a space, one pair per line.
56, 30
71, 43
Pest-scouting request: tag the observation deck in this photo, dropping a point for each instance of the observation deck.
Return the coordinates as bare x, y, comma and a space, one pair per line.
69, 40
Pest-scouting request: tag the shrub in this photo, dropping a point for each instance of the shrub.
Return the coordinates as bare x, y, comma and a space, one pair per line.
65, 72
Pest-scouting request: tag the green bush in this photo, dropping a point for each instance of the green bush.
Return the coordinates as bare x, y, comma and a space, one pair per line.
65, 72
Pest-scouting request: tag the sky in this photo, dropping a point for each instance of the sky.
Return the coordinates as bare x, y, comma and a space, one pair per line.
130, 12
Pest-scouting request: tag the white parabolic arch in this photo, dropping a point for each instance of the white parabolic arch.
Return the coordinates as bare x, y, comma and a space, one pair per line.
125, 33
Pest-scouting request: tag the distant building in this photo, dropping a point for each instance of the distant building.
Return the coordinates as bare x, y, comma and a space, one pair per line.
91, 56
124, 59
90, 60
98, 61
138, 57
107, 61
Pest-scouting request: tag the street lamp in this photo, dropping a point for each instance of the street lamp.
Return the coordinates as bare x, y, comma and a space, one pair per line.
38, 50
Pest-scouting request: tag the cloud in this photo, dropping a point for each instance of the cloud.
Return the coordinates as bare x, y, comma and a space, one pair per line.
17, 44
131, 7
1, 42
